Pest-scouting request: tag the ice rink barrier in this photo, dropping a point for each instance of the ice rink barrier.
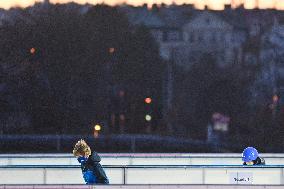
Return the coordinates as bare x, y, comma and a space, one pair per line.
141, 187
137, 159
148, 174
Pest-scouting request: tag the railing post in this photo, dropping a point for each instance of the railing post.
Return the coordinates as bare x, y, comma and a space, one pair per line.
124, 175
58, 138
10, 162
282, 176
44, 175
133, 144
203, 176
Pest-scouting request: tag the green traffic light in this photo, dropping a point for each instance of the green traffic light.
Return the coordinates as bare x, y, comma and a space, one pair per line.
148, 117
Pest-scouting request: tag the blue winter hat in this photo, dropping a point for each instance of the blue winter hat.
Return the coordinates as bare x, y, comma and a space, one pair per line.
249, 154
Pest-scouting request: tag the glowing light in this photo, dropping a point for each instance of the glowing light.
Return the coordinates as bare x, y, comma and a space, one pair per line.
6, 4
148, 117
279, 4
111, 50
216, 5
32, 50
264, 4
200, 4
275, 98
122, 117
250, 4
148, 100
97, 128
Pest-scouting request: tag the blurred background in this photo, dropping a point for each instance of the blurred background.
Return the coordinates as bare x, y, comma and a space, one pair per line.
196, 76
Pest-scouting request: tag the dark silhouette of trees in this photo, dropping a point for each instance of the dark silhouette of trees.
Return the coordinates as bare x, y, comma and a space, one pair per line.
206, 88
68, 62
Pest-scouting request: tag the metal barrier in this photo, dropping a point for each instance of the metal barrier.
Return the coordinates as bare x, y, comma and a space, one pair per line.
137, 159
155, 174
122, 142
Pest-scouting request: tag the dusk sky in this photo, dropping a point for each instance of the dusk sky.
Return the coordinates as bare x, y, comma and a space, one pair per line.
213, 4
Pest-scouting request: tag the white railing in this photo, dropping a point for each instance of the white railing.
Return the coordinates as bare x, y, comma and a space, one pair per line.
137, 159
155, 174
159, 186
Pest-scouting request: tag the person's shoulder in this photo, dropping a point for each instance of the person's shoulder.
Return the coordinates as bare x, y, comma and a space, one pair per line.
262, 161
94, 153
95, 157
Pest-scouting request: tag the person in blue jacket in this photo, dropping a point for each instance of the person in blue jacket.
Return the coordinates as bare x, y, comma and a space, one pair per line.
92, 170
250, 157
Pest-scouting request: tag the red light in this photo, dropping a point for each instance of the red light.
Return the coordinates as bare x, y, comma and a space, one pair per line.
148, 100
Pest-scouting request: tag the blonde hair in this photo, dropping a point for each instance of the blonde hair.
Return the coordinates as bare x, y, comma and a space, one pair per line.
81, 148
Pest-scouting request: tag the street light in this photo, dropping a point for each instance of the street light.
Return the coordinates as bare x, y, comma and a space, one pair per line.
32, 50
97, 129
148, 117
275, 99
111, 50
148, 100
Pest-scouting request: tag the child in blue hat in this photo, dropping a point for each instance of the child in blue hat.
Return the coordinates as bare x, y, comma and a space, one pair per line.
250, 157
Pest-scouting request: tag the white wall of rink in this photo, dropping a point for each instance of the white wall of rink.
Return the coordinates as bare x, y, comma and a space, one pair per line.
137, 159
258, 175
140, 187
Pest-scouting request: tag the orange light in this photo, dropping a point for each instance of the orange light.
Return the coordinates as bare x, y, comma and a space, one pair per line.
278, 4
96, 134
97, 127
148, 100
32, 50
275, 98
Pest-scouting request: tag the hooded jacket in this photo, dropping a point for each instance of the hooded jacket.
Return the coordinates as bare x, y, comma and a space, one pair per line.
258, 161
93, 172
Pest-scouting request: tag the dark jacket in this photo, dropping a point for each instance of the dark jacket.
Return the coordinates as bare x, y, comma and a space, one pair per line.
258, 161
93, 164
